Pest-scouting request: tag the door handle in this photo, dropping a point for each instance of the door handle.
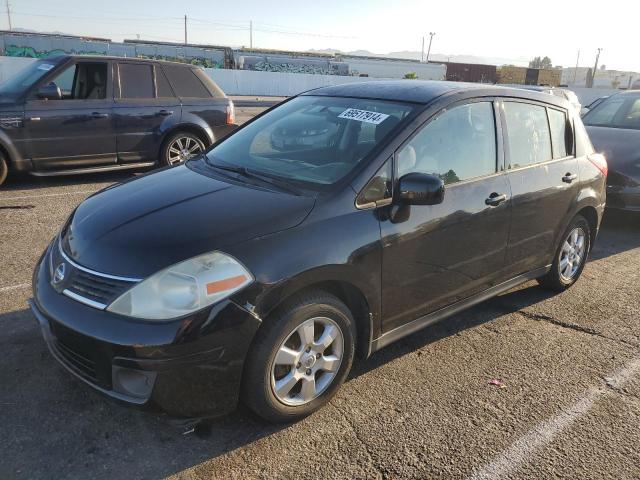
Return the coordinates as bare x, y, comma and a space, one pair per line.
569, 177
165, 113
495, 199
99, 115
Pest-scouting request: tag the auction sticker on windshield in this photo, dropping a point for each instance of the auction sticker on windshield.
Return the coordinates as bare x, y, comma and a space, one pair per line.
363, 116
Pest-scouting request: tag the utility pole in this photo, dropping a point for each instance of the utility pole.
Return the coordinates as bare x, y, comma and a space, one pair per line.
575, 72
431, 34
595, 68
250, 33
185, 29
422, 56
8, 14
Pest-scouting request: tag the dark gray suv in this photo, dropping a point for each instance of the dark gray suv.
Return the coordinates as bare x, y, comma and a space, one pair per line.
80, 114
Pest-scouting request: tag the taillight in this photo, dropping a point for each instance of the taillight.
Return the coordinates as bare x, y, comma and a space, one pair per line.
600, 162
231, 113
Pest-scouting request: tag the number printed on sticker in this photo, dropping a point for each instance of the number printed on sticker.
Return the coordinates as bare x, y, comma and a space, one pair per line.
363, 116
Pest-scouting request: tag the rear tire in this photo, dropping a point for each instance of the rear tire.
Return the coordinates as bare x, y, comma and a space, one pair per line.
179, 147
570, 257
299, 358
4, 169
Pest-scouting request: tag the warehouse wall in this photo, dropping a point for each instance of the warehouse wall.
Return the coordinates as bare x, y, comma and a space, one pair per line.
253, 83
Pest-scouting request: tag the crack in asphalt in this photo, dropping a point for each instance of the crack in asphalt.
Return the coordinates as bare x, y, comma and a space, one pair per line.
379, 474
540, 317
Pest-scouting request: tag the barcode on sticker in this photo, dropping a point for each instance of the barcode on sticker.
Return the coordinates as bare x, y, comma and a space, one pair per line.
363, 116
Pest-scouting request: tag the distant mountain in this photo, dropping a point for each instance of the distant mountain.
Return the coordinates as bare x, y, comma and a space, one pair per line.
437, 57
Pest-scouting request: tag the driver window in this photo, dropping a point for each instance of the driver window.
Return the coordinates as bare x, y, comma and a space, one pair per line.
83, 81
459, 144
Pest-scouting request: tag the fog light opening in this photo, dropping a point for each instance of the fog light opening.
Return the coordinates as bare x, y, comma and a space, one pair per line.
134, 383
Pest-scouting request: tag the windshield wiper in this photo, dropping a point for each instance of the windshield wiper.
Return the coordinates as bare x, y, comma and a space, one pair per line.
245, 172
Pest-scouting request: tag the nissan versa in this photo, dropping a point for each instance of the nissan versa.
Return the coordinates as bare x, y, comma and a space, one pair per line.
257, 270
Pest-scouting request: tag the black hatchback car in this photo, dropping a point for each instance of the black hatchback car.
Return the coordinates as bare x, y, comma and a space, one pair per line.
257, 272
81, 114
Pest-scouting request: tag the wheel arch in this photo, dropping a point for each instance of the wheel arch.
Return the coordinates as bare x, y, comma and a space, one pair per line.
352, 295
590, 213
203, 133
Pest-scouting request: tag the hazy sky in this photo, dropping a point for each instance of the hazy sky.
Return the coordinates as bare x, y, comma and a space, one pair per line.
511, 29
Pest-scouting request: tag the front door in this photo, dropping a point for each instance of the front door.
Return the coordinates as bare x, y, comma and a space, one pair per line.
543, 174
438, 254
145, 108
77, 130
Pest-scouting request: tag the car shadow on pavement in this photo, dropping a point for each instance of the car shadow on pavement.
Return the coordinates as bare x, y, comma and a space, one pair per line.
29, 182
619, 232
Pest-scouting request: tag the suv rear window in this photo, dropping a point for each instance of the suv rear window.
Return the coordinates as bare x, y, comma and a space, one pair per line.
185, 82
136, 80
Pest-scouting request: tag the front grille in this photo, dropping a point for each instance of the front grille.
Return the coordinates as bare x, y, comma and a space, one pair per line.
79, 363
97, 288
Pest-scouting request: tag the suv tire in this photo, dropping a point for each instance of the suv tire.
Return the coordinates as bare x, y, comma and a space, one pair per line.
4, 168
179, 147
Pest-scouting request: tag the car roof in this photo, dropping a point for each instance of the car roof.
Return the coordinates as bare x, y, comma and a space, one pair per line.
425, 91
61, 58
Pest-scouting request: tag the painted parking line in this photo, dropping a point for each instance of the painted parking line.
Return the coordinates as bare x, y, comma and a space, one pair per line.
504, 464
14, 287
43, 195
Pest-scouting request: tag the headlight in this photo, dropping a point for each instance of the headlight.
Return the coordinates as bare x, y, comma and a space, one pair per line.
183, 288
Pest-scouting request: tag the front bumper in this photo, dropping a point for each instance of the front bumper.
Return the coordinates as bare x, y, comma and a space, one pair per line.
187, 367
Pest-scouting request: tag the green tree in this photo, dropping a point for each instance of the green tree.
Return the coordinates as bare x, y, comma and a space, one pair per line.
411, 76
544, 62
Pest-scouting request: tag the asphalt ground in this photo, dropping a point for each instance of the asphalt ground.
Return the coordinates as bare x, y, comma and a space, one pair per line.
420, 408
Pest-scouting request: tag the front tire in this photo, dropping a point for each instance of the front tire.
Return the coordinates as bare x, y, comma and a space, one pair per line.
299, 358
571, 256
180, 147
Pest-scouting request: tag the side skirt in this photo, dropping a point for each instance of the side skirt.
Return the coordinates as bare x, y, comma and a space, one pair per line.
431, 318
80, 171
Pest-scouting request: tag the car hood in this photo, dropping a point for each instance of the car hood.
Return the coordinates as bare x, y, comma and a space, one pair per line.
621, 147
136, 228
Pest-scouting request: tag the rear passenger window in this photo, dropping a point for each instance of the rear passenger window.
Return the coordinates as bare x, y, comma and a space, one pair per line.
458, 145
527, 133
162, 85
558, 124
136, 80
185, 82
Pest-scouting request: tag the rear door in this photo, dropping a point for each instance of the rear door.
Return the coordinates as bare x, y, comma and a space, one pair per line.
76, 131
543, 174
201, 99
435, 255
145, 108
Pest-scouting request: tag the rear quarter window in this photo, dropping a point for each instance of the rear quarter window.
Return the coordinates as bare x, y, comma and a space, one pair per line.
560, 139
186, 83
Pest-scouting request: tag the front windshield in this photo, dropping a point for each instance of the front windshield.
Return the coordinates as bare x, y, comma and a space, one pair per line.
312, 140
26, 77
618, 111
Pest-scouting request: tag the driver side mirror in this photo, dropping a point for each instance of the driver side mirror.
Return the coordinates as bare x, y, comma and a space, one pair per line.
51, 91
420, 189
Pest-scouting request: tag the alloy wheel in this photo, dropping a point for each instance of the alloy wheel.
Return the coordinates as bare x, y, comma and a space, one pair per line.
307, 361
182, 149
572, 254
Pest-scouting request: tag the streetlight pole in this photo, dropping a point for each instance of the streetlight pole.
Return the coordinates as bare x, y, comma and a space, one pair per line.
431, 34
422, 56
